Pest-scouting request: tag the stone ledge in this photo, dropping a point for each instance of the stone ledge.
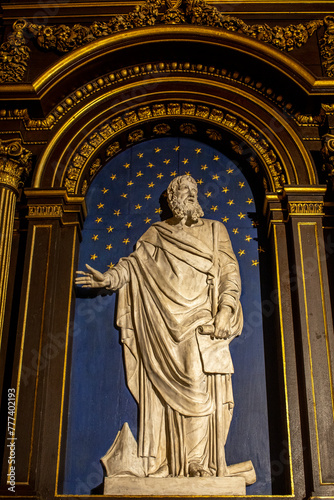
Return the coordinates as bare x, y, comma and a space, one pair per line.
175, 486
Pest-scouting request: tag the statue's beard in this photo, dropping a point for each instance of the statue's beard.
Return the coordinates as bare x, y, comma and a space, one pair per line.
188, 209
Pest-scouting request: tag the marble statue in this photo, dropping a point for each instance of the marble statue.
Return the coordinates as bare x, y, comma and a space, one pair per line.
178, 310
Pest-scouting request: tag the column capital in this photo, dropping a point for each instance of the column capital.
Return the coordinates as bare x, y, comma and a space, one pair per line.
15, 163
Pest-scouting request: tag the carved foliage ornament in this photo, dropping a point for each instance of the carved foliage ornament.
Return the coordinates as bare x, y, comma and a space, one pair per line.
15, 163
327, 152
14, 54
90, 148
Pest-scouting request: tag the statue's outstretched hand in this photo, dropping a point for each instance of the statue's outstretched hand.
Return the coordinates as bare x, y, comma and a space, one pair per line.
222, 323
92, 278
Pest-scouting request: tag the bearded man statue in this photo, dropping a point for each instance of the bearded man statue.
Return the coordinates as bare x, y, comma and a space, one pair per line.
178, 310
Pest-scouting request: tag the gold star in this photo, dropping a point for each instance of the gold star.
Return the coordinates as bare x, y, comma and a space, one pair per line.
110, 229
104, 190
113, 177
208, 194
166, 161
199, 181
225, 219
117, 212
214, 208
130, 183
187, 173
100, 205
249, 201
140, 155
261, 250
128, 224
215, 177
204, 167
109, 247
160, 176
185, 161
139, 174
94, 256
173, 174
248, 238
255, 223
126, 241
138, 207
241, 215
241, 184
241, 252
176, 148
98, 220
126, 165
198, 151
225, 189
215, 158
148, 197
147, 220
151, 185
235, 230
150, 165
158, 210
95, 237
255, 263
230, 170
124, 195
111, 265
230, 202
157, 150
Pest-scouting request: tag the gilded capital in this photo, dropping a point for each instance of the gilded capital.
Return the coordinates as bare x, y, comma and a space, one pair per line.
15, 163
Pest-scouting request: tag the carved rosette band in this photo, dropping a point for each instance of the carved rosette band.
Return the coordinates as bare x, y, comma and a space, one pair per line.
306, 208
15, 163
41, 211
14, 53
99, 142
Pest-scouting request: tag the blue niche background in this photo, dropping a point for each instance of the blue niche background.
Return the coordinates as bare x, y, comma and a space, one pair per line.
122, 202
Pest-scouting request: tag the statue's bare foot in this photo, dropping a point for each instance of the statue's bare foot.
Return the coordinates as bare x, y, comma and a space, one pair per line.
196, 470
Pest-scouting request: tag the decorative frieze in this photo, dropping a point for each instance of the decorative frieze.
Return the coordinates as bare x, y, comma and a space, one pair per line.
45, 211
306, 208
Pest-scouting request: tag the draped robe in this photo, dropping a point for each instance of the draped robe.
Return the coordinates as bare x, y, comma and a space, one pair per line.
165, 289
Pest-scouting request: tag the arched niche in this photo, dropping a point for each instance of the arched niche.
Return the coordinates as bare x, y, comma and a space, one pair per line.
123, 200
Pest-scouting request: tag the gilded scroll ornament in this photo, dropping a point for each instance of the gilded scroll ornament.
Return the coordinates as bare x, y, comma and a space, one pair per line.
327, 152
14, 53
327, 46
41, 211
15, 163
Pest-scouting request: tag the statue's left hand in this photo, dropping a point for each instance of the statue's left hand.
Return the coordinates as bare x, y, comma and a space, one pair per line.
223, 323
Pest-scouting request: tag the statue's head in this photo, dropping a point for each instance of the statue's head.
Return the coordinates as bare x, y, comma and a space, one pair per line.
182, 198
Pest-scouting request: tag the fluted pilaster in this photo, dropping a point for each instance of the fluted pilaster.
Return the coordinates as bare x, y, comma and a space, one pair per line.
15, 164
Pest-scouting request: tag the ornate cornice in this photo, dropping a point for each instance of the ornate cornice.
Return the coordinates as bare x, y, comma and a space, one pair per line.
14, 53
103, 143
152, 69
15, 163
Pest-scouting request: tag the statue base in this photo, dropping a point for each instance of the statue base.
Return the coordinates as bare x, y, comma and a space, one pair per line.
172, 486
